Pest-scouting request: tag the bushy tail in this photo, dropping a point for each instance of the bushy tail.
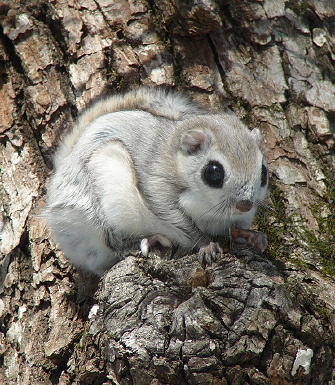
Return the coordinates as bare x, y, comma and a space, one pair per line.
157, 101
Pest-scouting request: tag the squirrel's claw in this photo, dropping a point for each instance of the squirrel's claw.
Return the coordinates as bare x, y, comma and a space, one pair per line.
208, 254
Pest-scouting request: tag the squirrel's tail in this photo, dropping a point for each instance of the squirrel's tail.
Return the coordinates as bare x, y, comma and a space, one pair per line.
157, 101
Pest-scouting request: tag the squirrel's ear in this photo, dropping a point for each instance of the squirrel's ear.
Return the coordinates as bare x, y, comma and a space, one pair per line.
193, 141
256, 133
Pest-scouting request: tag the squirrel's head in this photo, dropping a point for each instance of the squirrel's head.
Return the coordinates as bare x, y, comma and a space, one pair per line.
223, 169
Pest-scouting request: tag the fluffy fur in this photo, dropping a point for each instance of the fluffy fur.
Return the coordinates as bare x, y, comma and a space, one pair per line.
131, 169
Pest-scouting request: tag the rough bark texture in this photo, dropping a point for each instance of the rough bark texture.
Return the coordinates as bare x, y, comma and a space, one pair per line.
245, 320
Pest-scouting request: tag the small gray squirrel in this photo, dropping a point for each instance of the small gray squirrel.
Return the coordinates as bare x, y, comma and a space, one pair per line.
149, 167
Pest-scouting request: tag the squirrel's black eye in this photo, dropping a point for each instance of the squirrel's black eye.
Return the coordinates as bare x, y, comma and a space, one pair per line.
213, 174
264, 175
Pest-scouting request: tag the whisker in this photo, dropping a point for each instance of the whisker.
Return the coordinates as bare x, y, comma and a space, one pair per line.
215, 210
198, 241
220, 211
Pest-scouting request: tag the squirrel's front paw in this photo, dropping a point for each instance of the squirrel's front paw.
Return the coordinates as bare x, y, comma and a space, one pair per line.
207, 254
255, 239
155, 241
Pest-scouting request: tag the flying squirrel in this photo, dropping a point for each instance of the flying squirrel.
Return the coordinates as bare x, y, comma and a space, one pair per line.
149, 167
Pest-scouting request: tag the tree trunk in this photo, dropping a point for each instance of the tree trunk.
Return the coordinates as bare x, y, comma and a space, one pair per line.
247, 319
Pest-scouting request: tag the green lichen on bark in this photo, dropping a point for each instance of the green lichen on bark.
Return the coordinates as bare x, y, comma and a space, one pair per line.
276, 223
323, 241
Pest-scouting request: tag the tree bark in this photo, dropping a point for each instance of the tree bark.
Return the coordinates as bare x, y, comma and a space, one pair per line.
247, 319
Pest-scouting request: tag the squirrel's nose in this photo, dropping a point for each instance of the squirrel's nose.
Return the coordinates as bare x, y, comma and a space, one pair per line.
244, 205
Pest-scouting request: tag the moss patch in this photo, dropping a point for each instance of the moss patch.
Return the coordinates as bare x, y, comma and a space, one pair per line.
300, 7
323, 242
276, 224
285, 232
